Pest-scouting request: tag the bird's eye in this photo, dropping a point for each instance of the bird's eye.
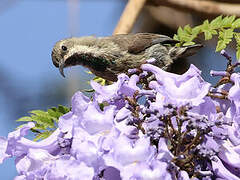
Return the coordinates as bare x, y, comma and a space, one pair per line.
64, 48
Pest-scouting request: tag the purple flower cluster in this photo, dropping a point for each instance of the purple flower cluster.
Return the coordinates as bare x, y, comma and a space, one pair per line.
172, 127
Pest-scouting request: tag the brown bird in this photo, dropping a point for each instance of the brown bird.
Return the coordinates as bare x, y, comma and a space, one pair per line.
109, 56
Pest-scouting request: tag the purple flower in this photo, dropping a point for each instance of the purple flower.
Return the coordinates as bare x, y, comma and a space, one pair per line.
126, 151
38, 164
163, 152
124, 86
18, 146
229, 155
166, 129
87, 115
234, 92
34, 159
183, 175
233, 131
221, 171
179, 89
3, 148
140, 170
225, 54
80, 103
122, 114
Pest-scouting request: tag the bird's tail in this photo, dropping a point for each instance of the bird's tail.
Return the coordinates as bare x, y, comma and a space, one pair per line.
181, 52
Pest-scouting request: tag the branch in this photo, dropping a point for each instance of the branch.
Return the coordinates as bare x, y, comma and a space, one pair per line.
129, 16
201, 6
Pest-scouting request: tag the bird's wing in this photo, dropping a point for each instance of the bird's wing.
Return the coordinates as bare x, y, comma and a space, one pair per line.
136, 43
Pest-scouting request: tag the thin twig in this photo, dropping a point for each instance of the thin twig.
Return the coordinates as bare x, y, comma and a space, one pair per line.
129, 16
201, 6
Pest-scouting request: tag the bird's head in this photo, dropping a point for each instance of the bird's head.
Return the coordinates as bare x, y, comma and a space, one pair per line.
72, 51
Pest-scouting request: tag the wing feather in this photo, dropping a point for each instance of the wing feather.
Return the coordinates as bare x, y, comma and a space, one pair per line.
136, 43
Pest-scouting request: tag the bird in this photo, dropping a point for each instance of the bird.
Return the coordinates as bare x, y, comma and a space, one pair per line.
109, 56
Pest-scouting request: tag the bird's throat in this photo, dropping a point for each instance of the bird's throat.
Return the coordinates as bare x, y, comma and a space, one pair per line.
87, 60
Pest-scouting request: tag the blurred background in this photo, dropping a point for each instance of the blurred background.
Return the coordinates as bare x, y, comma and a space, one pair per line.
30, 28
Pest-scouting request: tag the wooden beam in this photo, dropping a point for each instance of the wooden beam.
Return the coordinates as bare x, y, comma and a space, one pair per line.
129, 16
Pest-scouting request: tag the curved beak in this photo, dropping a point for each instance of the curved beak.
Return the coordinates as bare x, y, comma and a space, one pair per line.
61, 67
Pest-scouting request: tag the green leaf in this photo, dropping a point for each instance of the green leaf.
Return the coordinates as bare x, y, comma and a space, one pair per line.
225, 38
236, 24
196, 30
227, 21
45, 120
226, 35
186, 38
222, 26
231, 19
99, 80
54, 115
101, 106
216, 23
176, 37
35, 130
89, 90
63, 109
213, 32
238, 54
187, 29
237, 38
208, 35
39, 113
189, 43
184, 35
38, 128
208, 30
220, 45
180, 31
205, 26
178, 45
43, 135
25, 119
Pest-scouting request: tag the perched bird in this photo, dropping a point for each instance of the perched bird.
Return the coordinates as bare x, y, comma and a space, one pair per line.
107, 57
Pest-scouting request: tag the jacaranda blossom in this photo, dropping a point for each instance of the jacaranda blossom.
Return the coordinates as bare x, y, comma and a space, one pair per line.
166, 127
